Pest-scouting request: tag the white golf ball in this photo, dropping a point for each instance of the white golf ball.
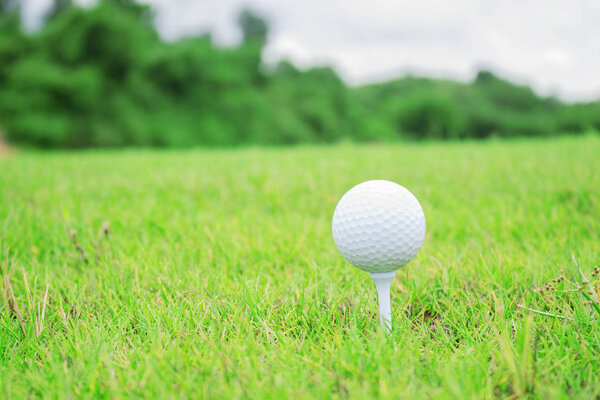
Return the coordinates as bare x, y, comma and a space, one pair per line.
378, 226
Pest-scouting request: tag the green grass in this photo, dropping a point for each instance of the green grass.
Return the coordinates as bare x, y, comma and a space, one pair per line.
219, 276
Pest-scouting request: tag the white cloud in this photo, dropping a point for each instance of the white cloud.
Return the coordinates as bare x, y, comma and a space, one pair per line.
553, 45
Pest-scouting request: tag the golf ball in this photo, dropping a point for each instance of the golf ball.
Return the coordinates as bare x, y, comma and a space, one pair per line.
378, 226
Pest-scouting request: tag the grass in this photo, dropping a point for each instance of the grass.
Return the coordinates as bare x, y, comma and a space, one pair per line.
214, 274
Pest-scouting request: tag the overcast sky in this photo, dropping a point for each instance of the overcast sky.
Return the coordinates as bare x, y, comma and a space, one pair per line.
553, 45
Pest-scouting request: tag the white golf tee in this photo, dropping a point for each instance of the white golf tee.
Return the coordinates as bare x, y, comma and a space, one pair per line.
383, 283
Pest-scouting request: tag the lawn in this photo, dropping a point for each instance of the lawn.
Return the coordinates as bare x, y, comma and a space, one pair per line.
213, 273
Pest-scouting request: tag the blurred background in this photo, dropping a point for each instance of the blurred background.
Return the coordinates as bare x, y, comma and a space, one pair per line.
181, 73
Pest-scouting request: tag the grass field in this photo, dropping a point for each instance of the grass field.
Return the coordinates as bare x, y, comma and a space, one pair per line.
214, 274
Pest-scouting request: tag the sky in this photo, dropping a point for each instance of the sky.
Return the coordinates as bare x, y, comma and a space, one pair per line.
553, 45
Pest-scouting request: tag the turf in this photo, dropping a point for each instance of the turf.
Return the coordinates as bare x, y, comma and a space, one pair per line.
213, 274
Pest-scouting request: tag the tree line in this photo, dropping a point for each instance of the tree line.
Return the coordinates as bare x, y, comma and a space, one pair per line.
102, 77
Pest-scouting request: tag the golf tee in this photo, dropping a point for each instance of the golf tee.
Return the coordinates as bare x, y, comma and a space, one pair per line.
383, 283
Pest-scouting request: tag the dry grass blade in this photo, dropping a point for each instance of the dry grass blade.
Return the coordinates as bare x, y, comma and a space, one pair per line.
45, 301
12, 302
583, 278
104, 232
543, 312
63, 315
78, 247
40, 321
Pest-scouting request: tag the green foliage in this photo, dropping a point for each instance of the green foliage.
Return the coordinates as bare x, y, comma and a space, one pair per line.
426, 108
322, 108
102, 77
580, 117
429, 116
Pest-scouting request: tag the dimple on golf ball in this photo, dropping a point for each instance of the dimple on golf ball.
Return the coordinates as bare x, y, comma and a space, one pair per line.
378, 226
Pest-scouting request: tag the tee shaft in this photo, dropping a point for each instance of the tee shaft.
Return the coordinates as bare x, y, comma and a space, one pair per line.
383, 283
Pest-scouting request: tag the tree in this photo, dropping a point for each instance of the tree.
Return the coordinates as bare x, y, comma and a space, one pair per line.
254, 27
57, 8
9, 6
13, 41
141, 11
484, 76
